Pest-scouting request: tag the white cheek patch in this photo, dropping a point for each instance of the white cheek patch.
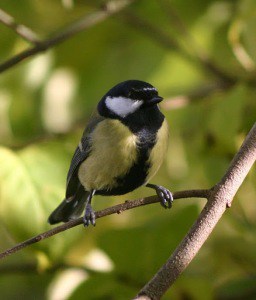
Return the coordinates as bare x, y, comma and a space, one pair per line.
122, 106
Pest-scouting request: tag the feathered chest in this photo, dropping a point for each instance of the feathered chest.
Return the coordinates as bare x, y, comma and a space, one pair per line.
116, 151
113, 150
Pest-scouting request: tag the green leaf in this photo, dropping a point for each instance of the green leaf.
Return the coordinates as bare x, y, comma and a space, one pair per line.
32, 184
28, 185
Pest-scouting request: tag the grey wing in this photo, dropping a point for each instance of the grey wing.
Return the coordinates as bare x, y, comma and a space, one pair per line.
81, 153
74, 203
73, 182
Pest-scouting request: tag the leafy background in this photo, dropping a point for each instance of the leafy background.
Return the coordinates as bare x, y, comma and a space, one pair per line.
44, 104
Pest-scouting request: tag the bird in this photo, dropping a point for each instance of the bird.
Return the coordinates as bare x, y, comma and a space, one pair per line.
121, 149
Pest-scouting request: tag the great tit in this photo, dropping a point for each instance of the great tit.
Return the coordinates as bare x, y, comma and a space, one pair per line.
121, 149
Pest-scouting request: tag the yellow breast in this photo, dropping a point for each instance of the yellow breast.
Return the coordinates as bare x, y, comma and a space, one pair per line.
113, 153
158, 152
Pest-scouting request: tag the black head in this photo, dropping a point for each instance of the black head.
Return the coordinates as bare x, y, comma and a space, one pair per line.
127, 97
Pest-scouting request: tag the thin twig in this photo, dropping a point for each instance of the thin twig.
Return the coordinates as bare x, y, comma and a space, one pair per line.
220, 198
100, 214
87, 21
22, 30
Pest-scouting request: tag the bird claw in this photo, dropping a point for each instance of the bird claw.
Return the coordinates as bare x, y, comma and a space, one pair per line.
89, 216
165, 196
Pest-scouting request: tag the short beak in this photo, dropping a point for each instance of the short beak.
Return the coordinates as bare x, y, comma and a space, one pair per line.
154, 100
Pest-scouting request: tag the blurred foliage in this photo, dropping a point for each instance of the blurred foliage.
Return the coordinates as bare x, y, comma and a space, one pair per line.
44, 104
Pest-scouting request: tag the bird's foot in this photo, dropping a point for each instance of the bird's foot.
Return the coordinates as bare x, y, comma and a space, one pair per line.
89, 216
166, 197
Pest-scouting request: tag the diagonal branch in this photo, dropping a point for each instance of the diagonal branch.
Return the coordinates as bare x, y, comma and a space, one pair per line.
117, 209
22, 30
110, 8
221, 197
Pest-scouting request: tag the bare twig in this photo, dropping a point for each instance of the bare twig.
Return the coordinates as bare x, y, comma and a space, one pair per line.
87, 21
22, 30
221, 197
103, 213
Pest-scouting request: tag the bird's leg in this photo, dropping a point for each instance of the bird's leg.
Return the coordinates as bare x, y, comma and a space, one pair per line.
89, 215
164, 194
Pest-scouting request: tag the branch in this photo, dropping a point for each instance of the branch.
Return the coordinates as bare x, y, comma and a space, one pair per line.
87, 21
117, 209
221, 197
22, 30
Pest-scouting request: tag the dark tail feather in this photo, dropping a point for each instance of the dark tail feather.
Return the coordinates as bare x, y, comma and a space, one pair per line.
70, 208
